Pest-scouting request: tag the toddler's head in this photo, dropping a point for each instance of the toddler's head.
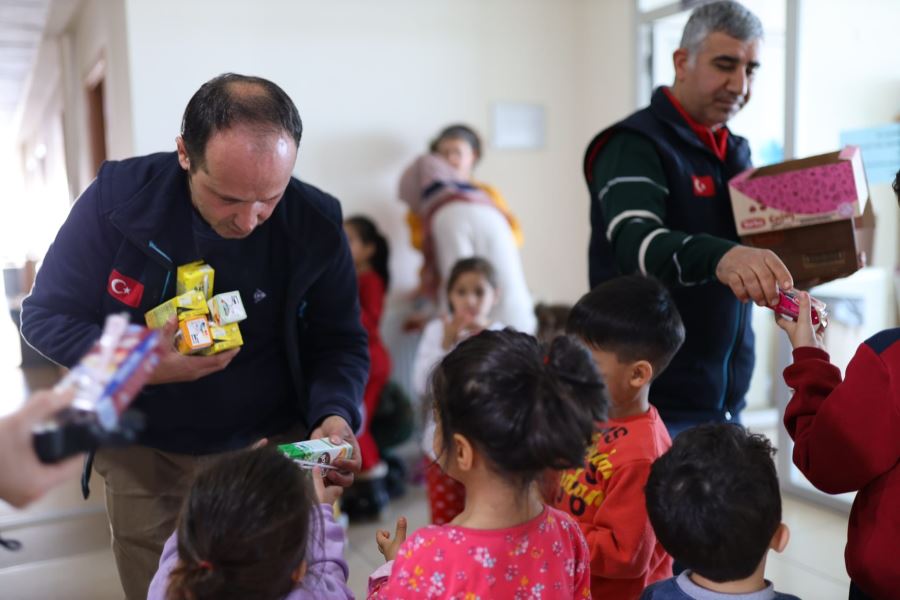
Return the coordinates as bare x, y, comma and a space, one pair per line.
368, 246
500, 398
714, 502
460, 146
243, 529
472, 289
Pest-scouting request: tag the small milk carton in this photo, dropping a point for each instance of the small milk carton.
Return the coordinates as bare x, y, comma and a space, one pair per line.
320, 451
227, 308
224, 337
194, 335
185, 306
195, 276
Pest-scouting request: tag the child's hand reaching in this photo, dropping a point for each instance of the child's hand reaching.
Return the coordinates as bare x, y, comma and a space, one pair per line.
386, 545
459, 327
327, 494
802, 332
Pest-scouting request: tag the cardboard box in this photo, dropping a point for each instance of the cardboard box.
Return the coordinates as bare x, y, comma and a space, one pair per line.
807, 212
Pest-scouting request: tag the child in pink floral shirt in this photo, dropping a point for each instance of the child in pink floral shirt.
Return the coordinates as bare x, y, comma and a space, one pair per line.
504, 412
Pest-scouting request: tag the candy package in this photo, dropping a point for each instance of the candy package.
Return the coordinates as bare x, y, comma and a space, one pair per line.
104, 382
789, 306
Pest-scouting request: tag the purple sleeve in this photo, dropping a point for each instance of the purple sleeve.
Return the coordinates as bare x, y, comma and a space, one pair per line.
326, 576
167, 562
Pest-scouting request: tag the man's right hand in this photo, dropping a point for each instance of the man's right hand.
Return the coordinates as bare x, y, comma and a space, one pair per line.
175, 367
754, 274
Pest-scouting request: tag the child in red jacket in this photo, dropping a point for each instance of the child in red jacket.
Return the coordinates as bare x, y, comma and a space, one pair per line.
847, 438
370, 253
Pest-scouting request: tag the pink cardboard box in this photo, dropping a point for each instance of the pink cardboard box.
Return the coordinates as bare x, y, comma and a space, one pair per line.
813, 213
797, 193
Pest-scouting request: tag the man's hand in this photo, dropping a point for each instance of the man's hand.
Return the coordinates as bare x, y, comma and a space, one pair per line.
388, 546
337, 430
175, 367
754, 274
326, 494
23, 478
802, 332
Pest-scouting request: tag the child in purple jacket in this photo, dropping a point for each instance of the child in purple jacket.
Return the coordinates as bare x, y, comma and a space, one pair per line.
252, 527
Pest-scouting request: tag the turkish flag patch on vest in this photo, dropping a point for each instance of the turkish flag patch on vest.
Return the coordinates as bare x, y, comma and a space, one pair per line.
125, 289
703, 186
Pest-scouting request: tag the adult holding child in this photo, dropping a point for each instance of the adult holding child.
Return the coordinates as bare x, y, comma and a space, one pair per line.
226, 196
452, 216
660, 205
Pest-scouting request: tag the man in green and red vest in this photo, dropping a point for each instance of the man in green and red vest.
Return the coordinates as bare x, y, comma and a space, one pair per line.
660, 206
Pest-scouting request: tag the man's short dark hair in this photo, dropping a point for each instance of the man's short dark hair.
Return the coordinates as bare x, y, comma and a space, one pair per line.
632, 316
714, 502
231, 99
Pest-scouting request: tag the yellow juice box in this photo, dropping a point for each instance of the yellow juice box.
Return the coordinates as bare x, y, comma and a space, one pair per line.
195, 276
190, 304
194, 335
224, 337
227, 308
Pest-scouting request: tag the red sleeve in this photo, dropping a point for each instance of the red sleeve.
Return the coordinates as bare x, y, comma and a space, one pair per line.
620, 537
845, 433
371, 301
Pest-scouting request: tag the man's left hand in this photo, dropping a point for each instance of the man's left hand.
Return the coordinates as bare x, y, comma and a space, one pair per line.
337, 430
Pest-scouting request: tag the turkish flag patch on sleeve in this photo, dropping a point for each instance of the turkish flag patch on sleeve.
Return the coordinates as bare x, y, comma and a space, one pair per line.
703, 186
125, 289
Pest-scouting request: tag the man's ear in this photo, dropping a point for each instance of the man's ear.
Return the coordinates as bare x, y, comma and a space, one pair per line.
183, 159
681, 60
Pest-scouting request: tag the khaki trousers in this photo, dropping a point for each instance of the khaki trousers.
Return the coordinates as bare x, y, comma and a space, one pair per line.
145, 489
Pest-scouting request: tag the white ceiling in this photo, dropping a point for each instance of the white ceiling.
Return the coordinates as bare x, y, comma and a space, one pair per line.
22, 24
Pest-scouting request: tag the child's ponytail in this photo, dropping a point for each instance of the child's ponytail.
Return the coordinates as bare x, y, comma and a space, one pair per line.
525, 410
571, 400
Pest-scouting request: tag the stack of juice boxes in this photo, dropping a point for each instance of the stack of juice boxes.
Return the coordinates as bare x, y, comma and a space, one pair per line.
207, 323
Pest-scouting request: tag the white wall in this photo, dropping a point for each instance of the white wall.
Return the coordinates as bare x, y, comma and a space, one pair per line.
849, 78
375, 80
97, 33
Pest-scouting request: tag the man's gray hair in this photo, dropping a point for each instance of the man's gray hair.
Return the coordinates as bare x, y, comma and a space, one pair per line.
726, 16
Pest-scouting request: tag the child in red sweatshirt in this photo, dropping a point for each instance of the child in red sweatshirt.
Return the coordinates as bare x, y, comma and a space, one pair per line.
847, 438
633, 329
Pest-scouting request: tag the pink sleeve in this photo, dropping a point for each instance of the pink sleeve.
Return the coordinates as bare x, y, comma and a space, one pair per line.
378, 580
581, 553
